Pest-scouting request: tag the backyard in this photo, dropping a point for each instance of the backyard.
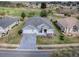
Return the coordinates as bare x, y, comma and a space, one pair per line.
18, 11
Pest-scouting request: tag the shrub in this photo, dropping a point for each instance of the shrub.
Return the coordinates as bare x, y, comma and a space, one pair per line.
77, 17
23, 15
50, 12
20, 32
67, 14
19, 5
43, 13
43, 5
61, 37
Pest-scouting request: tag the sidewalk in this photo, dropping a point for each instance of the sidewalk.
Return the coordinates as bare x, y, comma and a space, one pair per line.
42, 46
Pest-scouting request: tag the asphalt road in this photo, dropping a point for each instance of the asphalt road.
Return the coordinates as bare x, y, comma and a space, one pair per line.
17, 53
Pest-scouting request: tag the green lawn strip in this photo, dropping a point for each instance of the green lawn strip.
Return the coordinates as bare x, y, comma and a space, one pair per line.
69, 51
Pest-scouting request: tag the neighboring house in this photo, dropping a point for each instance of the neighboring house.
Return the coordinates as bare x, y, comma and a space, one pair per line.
7, 23
67, 9
69, 25
60, 15
38, 25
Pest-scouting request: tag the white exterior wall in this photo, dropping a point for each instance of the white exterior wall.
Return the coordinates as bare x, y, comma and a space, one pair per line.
10, 26
50, 31
28, 31
68, 30
1, 31
31, 31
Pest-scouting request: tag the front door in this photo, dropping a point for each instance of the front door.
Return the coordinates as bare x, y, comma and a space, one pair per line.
45, 30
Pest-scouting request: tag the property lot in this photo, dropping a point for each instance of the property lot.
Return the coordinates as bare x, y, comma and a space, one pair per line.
12, 37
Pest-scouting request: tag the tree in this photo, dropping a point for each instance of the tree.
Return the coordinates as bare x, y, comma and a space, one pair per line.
77, 17
67, 14
43, 13
43, 5
50, 12
61, 37
23, 15
20, 32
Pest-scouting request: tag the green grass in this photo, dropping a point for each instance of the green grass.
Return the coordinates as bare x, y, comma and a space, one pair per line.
53, 40
66, 52
18, 11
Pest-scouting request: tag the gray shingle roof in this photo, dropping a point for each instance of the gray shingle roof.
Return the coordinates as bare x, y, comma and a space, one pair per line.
6, 21
36, 21
68, 22
29, 27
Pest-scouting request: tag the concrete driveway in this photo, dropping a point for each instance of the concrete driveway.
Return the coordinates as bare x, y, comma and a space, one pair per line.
28, 41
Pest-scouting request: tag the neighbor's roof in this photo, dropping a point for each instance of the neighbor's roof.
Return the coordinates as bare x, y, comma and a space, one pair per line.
68, 22
36, 21
6, 21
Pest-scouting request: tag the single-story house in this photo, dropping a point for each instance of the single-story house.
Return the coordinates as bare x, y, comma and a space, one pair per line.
6, 24
69, 25
35, 26
67, 9
38, 25
60, 15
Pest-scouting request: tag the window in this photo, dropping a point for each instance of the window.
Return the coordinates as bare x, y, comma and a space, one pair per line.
41, 30
75, 28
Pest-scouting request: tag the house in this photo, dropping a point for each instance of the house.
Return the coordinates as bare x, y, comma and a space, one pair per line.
67, 9
69, 25
7, 23
35, 26
38, 25
60, 15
